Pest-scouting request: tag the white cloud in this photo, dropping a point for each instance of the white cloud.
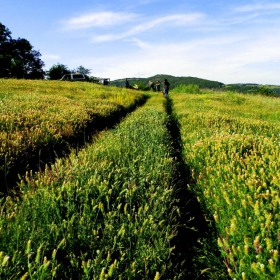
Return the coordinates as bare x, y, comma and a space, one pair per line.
242, 19
98, 20
178, 19
50, 56
224, 58
141, 44
106, 38
212, 48
258, 7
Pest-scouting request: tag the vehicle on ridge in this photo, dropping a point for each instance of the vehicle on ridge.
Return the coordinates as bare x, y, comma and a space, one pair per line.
75, 77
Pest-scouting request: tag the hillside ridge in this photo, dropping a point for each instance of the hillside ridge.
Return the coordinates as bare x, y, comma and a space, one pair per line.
143, 83
173, 80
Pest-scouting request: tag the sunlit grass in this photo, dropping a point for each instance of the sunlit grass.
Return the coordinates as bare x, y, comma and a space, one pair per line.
106, 213
231, 142
38, 115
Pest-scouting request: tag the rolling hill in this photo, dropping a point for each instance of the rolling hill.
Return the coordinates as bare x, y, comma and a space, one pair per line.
174, 81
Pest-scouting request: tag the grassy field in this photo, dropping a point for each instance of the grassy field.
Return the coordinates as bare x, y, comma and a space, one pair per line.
231, 144
40, 117
106, 212
184, 188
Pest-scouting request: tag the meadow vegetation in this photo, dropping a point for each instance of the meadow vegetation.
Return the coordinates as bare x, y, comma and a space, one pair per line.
231, 144
187, 88
106, 213
184, 188
38, 118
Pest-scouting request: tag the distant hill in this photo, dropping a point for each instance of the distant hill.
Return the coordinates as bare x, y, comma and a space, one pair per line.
250, 88
174, 81
272, 90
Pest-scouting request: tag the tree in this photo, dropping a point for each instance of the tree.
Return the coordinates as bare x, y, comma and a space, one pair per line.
57, 71
81, 69
5, 54
18, 59
26, 62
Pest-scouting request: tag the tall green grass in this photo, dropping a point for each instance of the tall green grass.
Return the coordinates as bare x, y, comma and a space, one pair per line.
231, 143
107, 213
41, 119
193, 89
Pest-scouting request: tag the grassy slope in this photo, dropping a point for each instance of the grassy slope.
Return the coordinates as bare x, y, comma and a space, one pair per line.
69, 199
231, 144
40, 120
107, 212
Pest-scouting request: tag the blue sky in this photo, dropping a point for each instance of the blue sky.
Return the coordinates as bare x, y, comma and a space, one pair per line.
226, 41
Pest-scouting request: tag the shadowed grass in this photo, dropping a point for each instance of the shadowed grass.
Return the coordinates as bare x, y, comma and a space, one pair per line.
42, 120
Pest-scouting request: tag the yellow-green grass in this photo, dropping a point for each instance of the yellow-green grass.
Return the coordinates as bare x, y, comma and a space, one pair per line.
231, 142
106, 213
46, 115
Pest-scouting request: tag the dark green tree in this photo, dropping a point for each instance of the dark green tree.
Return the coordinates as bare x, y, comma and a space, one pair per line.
264, 90
18, 59
81, 69
57, 71
5, 52
26, 62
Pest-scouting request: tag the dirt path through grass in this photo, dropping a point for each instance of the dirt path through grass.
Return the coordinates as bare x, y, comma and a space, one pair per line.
196, 251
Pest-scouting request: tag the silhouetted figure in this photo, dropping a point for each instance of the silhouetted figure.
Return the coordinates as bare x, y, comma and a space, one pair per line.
158, 85
152, 85
165, 88
126, 83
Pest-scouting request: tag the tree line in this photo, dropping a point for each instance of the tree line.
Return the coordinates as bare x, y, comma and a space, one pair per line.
18, 59
58, 70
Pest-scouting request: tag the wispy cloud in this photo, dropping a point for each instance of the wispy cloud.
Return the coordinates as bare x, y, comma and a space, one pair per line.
101, 19
147, 1
50, 56
258, 7
141, 44
225, 57
205, 46
178, 19
241, 19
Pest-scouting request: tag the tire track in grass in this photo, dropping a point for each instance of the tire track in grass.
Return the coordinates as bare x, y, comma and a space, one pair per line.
47, 155
196, 255
110, 209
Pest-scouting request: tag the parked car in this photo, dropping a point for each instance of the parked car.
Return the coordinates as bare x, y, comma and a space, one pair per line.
75, 77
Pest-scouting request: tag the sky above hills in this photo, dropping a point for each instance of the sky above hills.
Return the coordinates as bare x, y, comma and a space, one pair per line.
226, 41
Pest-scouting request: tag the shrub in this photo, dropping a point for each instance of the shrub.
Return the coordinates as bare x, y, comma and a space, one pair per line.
187, 89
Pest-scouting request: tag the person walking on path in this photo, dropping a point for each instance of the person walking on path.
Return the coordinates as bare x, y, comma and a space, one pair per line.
126, 83
152, 85
165, 88
158, 85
